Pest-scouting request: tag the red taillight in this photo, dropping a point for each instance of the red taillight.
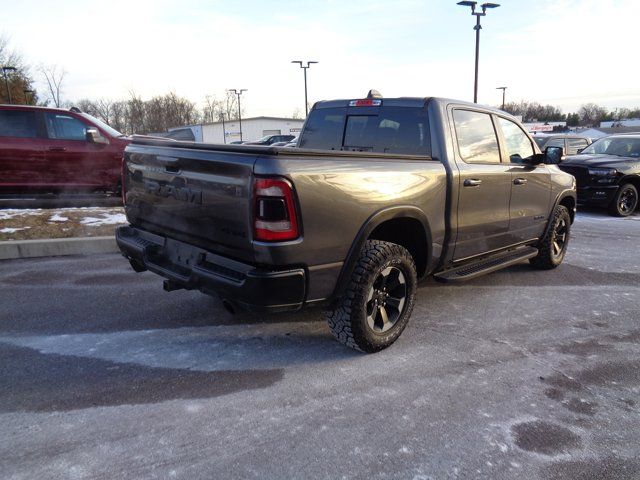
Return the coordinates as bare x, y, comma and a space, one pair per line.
274, 214
123, 177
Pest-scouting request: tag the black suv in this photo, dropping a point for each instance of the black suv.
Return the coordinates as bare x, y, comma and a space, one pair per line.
608, 173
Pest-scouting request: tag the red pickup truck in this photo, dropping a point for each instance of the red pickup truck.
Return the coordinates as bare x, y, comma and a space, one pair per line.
53, 150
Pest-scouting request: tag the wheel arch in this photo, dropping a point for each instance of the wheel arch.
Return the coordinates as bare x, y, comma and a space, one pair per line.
406, 225
632, 179
568, 199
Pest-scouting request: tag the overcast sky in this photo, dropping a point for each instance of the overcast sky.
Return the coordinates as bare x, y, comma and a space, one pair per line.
563, 52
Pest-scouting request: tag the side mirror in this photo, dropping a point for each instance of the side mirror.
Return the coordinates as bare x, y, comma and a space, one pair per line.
94, 136
580, 150
553, 155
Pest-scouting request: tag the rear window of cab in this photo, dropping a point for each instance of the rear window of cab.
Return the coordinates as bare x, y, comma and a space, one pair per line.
394, 130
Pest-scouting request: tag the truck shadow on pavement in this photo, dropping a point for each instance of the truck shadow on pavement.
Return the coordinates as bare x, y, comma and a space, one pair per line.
35, 382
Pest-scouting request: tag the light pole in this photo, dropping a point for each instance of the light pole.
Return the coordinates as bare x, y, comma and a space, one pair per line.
306, 103
477, 28
503, 90
224, 129
238, 92
6, 80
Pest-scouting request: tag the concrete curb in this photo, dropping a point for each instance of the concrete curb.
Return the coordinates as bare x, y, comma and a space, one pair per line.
52, 247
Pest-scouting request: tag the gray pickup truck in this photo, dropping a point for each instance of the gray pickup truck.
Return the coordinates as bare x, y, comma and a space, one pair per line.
381, 192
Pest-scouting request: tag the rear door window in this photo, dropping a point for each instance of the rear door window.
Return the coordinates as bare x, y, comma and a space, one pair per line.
65, 127
477, 140
555, 142
576, 144
18, 123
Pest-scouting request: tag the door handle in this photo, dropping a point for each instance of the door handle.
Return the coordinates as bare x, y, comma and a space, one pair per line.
472, 182
57, 149
520, 181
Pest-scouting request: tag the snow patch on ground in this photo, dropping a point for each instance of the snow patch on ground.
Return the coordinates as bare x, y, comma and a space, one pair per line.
10, 213
58, 218
12, 230
107, 219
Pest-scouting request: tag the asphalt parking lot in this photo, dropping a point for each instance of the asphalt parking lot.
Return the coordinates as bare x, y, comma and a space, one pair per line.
519, 374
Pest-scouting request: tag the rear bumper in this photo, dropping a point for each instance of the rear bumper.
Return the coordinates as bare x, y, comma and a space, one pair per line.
597, 195
192, 268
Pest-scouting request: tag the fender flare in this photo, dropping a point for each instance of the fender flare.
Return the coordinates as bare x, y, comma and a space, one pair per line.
561, 196
375, 220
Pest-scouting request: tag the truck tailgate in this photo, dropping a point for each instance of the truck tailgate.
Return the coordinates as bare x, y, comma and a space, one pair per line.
199, 195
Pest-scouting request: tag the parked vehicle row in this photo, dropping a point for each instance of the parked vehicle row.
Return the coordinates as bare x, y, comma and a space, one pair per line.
381, 192
48, 150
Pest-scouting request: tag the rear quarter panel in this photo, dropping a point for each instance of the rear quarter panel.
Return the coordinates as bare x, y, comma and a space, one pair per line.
337, 195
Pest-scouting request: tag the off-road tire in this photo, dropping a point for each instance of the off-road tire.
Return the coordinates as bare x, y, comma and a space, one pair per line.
615, 207
546, 258
348, 321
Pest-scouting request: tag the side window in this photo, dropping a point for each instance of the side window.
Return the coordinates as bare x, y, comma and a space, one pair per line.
17, 123
477, 139
517, 142
65, 127
555, 142
576, 144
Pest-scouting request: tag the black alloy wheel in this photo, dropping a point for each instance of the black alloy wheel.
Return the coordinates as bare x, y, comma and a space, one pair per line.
560, 236
386, 300
625, 201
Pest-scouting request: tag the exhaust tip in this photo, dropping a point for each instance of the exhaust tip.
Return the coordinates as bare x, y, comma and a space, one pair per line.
228, 306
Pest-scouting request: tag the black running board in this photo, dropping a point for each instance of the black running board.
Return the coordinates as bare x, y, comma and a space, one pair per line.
486, 265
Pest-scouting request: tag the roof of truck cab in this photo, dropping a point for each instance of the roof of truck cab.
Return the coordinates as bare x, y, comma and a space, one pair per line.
409, 102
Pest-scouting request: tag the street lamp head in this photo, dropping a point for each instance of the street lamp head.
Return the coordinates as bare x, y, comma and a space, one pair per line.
312, 61
466, 3
489, 5
9, 69
500, 88
299, 62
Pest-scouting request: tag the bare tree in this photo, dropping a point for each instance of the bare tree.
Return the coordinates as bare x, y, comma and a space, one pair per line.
591, 115
87, 106
211, 109
533, 111
54, 76
214, 110
18, 82
135, 114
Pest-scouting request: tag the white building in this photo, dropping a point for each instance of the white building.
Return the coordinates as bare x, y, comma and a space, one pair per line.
253, 128
628, 122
